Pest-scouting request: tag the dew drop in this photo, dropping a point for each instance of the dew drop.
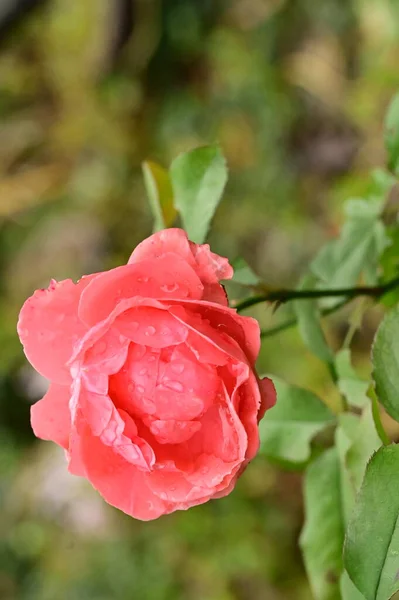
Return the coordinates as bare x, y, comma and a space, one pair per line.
177, 367
176, 386
170, 288
163, 496
150, 330
140, 389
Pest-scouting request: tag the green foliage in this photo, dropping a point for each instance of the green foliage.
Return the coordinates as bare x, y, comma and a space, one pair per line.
288, 429
357, 249
243, 273
160, 195
349, 383
392, 135
348, 589
322, 537
385, 359
198, 179
372, 540
308, 316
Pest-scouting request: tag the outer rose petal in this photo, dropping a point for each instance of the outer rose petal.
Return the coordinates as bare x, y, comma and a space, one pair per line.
167, 277
50, 416
244, 330
49, 326
210, 267
120, 483
268, 396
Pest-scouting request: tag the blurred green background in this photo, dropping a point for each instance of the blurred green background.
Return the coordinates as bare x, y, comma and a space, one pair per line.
295, 92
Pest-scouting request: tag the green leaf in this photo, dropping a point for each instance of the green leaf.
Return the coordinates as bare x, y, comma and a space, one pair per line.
198, 180
356, 441
366, 442
390, 265
323, 534
308, 315
385, 359
392, 134
345, 435
357, 250
383, 181
371, 552
350, 385
287, 430
348, 589
160, 195
243, 273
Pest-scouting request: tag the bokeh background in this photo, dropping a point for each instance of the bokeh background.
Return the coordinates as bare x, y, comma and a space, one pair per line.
295, 91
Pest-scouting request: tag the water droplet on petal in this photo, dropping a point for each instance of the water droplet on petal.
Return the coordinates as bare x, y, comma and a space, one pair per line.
177, 367
170, 288
150, 330
176, 386
163, 496
140, 389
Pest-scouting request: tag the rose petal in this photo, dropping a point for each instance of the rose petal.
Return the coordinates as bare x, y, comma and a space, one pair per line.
152, 327
165, 277
210, 267
268, 395
119, 482
108, 425
132, 388
107, 354
244, 330
172, 487
50, 417
49, 326
173, 432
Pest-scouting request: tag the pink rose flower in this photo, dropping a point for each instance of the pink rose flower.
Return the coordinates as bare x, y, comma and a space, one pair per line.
153, 393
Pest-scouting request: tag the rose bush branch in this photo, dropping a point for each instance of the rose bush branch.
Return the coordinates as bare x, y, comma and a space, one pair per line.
285, 295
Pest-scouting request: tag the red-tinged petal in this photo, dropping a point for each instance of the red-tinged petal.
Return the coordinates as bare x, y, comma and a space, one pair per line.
210, 267
49, 327
268, 395
167, 277
206, 342
243, 330
172, 487
173, 432
119, 482
75, 463
132, 388
108, 353
185, 388
249, 401
51, 418
168, 241
109, 425
151, 327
